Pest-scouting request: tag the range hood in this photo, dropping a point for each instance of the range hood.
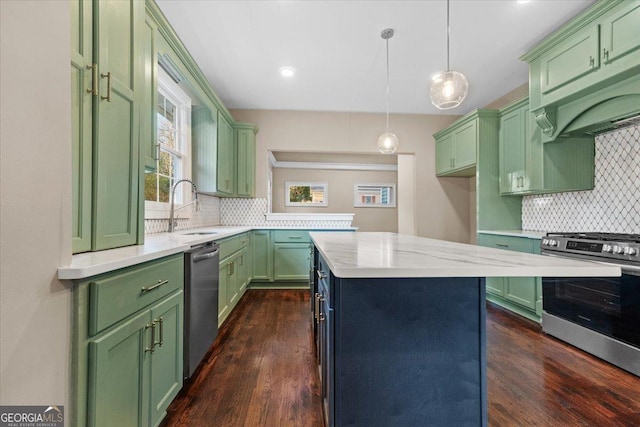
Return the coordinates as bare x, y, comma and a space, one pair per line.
609, 108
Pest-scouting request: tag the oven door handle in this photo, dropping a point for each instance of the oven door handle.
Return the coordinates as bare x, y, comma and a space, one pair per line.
626, 269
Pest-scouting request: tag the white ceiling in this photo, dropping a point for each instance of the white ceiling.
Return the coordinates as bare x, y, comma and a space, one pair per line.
338, 53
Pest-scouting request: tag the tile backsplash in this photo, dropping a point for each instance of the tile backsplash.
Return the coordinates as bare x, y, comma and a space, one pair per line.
207, 216
614, 203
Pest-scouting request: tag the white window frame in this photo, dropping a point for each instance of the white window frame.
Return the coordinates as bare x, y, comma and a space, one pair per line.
357, 202
173, 92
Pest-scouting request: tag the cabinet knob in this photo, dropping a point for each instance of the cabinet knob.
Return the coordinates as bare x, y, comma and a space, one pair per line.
605, 53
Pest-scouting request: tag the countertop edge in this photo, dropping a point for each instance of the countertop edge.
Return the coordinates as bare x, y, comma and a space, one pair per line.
138, 254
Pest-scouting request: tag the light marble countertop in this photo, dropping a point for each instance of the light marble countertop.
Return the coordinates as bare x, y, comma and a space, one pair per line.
155, 246
516, 233
396, 255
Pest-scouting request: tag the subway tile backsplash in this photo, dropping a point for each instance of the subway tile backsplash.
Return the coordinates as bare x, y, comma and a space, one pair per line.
614, 203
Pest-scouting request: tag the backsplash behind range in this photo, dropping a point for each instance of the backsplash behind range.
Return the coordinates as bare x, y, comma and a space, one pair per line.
612, 206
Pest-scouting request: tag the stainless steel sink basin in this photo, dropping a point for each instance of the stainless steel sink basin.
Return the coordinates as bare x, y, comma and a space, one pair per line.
200, 233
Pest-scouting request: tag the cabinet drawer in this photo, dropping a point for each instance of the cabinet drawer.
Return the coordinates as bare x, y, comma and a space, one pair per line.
510, 243
291, 236
233, 244
114, 296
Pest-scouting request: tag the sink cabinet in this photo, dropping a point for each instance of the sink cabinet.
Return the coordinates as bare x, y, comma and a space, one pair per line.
235, 272
127, 344
522, 295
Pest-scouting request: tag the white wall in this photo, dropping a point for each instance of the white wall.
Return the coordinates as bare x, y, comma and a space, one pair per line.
442, 203
35, 201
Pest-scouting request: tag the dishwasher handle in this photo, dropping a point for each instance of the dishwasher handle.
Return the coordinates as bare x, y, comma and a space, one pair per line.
201, 256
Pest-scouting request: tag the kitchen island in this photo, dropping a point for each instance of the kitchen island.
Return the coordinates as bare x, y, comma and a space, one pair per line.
400, 325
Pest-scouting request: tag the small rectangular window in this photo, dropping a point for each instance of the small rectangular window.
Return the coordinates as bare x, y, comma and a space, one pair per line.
306, 194
374, 195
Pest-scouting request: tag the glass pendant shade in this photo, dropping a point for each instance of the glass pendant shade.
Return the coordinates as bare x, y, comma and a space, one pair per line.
388, 143
448, 89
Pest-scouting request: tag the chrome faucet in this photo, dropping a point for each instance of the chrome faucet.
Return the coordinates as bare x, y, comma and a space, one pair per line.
172, 222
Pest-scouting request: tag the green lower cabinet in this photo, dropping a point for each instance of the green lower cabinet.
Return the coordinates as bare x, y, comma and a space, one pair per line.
119, 379
166, 359
127, 345
224, 290
291, 261
522, 295
262, 256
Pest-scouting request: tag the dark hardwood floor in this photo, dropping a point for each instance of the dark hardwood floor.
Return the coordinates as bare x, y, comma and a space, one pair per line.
262, 372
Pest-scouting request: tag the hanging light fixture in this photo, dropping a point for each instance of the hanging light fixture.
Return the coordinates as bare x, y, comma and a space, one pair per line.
388, 142
448, 88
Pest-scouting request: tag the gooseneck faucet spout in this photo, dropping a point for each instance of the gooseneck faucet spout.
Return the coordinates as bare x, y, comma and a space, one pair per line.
172, 222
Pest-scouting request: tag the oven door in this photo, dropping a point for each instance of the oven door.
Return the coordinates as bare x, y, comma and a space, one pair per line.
609, 305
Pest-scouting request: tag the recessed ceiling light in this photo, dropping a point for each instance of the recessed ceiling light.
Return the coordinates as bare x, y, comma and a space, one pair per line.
287, 71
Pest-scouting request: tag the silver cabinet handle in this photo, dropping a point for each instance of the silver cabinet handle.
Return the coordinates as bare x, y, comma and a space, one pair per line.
317, 306
151, 325
321, 274
501, 245
592, 61
295, 237
605, 53
94, 79
156, 286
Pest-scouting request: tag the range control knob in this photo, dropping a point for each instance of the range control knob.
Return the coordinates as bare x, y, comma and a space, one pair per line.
607, 248
631, 251
553, 242
618, 250
545, 242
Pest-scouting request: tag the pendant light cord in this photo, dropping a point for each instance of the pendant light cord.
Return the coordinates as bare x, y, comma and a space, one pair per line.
387, 85
448, 68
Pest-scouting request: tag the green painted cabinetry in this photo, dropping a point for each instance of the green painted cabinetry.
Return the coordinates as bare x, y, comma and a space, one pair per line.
235, 272
149, 97
520, 294
204, 148
262, 256
226, 158
246, 160
127, 344
456, 147
112, 74
291, 255
529, 166
595, 51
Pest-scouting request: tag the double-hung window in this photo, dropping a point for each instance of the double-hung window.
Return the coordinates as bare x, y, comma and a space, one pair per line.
173, 126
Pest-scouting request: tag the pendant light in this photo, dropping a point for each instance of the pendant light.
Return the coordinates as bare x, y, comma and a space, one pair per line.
388, 142
448, 88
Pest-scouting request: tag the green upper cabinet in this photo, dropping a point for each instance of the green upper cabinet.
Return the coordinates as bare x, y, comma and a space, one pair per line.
116, 170
107, 82
246, 160
81, 113
204, 146
598, 48
456, 147
514, 129
226, 157
529, 166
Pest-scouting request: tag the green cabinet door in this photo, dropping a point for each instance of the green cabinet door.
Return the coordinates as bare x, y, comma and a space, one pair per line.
495, 285
291, 261
149, 96
513, 134
521, 290
223, 290
116, 120
444, 154
246, 164
570, 60
226, 157
262, 256
81, 121
621, 33
465, 142
166, 359
234, 282
204, 148
243, 266
118, 380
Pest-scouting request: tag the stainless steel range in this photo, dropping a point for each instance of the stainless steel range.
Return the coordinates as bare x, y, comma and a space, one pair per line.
600, 315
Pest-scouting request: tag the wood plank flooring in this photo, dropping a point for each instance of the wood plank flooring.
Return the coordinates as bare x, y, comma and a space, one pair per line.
262, 372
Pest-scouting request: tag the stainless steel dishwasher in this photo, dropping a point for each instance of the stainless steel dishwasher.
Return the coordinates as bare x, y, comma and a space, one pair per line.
201, 270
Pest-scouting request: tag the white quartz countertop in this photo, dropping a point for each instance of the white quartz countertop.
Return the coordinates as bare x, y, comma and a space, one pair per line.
395, 255
516, 233
155, 246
